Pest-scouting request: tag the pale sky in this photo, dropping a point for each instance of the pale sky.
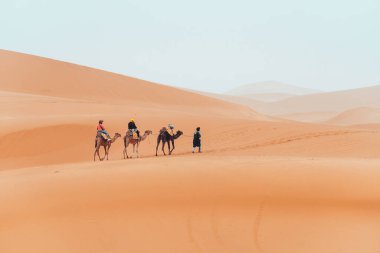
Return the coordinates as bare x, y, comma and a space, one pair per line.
210, 45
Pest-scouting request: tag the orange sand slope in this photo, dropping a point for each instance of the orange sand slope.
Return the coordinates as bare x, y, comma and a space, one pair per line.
261, 185
193, 204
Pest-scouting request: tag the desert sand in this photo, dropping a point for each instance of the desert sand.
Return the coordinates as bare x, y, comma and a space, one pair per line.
262, 184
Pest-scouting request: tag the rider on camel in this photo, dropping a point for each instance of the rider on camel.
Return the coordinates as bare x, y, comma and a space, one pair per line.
101, 129
171, 129
133, 128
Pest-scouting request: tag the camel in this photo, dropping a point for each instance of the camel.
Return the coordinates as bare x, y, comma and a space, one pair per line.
164, 136
129, 140
100, 141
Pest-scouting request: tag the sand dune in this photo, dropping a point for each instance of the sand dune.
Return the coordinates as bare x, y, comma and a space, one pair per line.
318, 108
33, 86
363, 115
261, 184
312, 117
270, 97
338, 101
269, 91
36, 75
176, 205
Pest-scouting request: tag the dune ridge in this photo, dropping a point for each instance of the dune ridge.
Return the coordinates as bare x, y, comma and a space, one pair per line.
24, 73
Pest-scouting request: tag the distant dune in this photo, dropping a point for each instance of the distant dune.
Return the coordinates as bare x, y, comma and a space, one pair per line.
246, 101
269, 91
312, 117
269, 97
362, 116
338, 101
319, 107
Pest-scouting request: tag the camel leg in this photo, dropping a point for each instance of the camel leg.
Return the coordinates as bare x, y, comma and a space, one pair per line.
137, 149
163, 147
169, 148
126, 150
126, 144
134, 148
105, 153
96, 152
97, 146
158, 144
173, 147
108, 150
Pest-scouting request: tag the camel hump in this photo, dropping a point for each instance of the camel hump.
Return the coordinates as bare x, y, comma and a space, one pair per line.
162, 130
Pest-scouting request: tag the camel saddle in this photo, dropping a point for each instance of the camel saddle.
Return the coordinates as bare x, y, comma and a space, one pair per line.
133, 134
102, 135
170, 132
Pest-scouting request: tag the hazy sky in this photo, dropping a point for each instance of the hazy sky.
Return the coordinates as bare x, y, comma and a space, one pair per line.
209, 45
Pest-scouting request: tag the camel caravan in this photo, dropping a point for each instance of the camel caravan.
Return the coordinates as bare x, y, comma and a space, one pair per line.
132, 137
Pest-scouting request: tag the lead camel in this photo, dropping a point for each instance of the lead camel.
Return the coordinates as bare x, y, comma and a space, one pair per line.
165, 137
